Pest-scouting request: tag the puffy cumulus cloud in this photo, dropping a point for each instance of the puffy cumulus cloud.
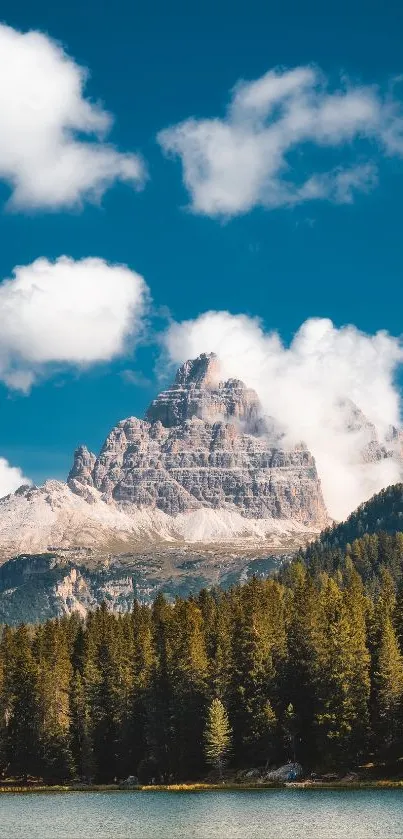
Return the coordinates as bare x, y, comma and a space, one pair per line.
66, 313
244, 160
11, 477
44, 117
311, 388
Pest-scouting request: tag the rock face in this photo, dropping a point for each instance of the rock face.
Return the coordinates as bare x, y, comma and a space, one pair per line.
204, 467
198, 392
36, 587
204, 444
36, 519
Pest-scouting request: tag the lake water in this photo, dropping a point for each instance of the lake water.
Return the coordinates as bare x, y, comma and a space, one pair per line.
263, 814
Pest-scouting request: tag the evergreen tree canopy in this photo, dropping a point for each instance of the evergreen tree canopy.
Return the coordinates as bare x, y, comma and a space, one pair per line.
308, 666
217, 735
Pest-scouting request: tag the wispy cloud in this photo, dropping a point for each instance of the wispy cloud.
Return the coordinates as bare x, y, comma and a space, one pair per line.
135, 378
244, 160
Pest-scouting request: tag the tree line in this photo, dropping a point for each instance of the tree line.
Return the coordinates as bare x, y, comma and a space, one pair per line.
370, 555
306, 667
381, 516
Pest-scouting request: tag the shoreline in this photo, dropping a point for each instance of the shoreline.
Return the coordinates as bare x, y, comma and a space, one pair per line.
20, 789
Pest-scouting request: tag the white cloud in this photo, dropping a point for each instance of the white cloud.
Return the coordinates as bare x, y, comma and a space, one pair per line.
233, 164
44, 118
307, 386
66, 312
11, 478
340, 184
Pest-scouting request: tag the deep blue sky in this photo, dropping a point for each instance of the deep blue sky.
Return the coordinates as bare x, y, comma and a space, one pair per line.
154, 64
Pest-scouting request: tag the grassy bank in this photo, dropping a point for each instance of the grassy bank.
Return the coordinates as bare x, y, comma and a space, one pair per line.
203, 787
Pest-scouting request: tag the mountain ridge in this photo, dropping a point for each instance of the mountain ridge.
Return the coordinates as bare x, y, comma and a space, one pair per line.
206, 470
204, 444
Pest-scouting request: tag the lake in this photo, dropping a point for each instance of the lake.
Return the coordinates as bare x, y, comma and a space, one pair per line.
257, 814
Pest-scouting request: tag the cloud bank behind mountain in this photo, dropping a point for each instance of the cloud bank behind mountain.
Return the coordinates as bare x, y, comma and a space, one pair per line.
308, 388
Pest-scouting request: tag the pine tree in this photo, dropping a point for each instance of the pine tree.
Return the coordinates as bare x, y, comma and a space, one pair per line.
159, 758
217, 736
81, 740
388, 685
257, 648
297, 685
105, 710
142, 664
216, 615
189, 687
6, 657
359, 661
23, 736
342, 680
398, 613
52, 651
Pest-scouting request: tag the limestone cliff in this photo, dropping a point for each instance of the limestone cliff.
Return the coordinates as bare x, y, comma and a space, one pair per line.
204, 444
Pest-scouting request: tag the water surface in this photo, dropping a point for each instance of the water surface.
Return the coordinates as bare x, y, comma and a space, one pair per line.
256, 814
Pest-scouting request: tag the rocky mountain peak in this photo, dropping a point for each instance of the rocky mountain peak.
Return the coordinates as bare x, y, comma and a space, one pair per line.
204, 446
84, 462
203, 371
198, 392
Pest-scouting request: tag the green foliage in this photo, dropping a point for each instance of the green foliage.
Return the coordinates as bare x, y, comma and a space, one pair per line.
371, 538
22, 745
217, 735
342, 674
308, 666
382, 513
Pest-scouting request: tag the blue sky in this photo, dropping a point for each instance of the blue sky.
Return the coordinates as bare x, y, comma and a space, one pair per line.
155, 65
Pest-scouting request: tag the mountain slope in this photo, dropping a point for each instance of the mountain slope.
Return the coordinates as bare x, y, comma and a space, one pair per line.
60, 581
371, 538
36, 587
52, 516
383, 512
203, 491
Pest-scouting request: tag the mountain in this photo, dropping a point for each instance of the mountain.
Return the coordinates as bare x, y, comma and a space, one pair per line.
204, 466
369, 448
50, 517
203, 491
203, 445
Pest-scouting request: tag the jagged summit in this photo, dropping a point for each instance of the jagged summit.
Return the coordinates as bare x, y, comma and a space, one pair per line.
202, 371
203, 466
198, 392
203, 444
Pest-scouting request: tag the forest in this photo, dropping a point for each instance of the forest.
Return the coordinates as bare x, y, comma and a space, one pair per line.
307, 666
